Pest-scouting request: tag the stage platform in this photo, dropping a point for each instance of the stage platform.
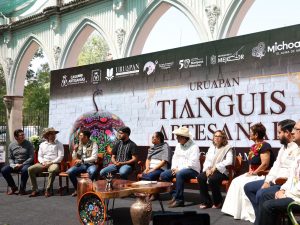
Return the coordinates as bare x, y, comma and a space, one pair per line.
61, 210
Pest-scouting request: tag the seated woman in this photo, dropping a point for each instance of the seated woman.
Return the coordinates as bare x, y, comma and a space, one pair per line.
260, 159
218, 156
157, 159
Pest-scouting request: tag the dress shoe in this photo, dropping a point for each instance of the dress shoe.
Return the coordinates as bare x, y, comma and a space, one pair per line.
22, 192
204, 206
172, 201
34, 194
176, 204
12, 190
47, 194
153, 197
74, 194
218, 206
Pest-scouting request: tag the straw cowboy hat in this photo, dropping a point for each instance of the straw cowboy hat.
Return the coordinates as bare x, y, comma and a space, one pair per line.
182, 131
48, 130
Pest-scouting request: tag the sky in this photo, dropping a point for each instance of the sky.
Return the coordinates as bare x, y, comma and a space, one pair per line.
175, 30
263, 15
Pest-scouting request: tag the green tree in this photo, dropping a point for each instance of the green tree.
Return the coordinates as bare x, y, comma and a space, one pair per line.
95, 50
36, 92
2, 93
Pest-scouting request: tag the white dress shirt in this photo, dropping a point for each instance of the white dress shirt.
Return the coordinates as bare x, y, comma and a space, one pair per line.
51, 152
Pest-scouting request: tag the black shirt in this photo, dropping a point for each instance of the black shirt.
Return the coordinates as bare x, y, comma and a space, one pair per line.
124, 150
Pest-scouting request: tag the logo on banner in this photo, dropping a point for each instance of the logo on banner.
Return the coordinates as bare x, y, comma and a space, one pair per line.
123, 71
259, 51
73, 80
149, 67
190, 63
166, 66
109, 73
64, 81
228, 57
213, 59
96, 76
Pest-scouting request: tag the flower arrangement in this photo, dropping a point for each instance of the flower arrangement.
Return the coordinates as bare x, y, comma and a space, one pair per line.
36, 141
254, 150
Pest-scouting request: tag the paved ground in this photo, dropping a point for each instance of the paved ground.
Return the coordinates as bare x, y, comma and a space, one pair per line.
61, 210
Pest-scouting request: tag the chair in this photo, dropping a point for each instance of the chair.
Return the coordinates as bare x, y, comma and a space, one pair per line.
66, 165
293, 206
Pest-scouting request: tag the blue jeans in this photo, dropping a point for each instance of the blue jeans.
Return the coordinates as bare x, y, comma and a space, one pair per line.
254, 192
154, 175
270, 208
7, 170
181, 176
91, 169
124, 171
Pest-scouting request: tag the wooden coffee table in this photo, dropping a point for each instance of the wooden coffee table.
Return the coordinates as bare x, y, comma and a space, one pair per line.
91, 201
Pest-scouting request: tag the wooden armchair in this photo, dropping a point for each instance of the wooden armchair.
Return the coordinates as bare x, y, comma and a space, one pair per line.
68, 164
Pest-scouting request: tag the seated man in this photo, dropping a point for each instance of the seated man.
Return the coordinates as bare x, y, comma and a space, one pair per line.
85, 156
158, 157
281, 168
20, 153
271, 203
51, 153
185, 165
123, 155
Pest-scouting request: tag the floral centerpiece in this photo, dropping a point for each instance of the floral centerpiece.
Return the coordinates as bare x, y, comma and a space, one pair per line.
36, 141
254, 150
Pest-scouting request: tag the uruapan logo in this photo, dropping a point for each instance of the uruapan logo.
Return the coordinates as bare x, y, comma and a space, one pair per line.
127, 70
259, 51
149, 67
109, 73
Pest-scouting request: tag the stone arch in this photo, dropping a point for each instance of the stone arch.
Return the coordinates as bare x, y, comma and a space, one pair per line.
21, 63
233, 19
78, 38
149, 18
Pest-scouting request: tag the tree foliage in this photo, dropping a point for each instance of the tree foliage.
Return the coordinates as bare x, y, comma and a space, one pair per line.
95, 50
36, 92
2, 93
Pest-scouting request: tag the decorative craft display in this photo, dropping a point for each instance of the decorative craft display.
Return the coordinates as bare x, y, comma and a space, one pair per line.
103, 126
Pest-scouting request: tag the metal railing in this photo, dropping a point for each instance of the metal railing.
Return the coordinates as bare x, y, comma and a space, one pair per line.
33, 124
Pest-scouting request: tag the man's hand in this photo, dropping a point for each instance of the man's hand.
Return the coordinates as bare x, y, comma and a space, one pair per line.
265, 185
146, 171
174, 171
18, 165
76, 147
47, 164
280, 194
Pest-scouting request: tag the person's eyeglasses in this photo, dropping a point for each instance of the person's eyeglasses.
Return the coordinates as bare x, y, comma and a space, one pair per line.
218, 136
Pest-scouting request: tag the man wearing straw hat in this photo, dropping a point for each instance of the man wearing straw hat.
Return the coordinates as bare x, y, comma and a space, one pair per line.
185, 165
51, 153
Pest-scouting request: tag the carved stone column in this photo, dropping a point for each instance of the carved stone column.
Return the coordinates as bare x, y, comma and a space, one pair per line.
14, 109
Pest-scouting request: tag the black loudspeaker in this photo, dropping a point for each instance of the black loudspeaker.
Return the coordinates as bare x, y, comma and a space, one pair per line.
185, 218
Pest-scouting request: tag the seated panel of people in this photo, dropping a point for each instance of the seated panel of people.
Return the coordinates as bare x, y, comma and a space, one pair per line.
282, 167
157, 159
124, 155
185, 165
273, 204
219, 155
20, 157
51, 153
260, 158
84, 157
